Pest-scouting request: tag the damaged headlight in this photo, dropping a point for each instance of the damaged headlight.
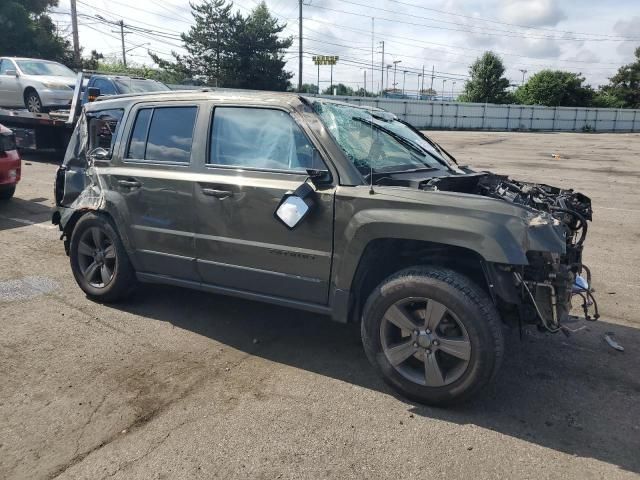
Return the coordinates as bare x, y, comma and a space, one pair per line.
543, 219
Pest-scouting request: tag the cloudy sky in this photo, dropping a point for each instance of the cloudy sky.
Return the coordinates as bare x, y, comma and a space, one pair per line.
587, 36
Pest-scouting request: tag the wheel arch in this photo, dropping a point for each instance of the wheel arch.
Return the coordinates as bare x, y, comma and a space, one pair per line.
71, 222
383, 257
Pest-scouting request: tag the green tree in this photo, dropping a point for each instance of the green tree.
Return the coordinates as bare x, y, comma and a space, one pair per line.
487, 83
93, 62
623, 89
207, 44
341, 89
256, 58
555, 88
28, 31
309, 88
133, 70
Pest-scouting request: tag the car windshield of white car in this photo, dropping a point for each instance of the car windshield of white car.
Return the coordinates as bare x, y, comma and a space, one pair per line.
33, 67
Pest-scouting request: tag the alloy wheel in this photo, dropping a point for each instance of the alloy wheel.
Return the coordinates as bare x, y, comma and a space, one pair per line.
97, 257
425, 342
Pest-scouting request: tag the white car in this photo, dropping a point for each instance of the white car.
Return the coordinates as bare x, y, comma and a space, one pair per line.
38, 85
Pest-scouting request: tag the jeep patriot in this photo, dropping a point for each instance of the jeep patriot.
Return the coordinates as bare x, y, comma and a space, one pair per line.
326, 207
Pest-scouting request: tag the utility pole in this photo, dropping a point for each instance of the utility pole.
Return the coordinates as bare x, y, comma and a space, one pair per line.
382, 69
124, 52
404, 80
318, 79
395, 69
523, 74
74, 28
443, 82
388, 67
373, 21
331, 79
419, 94
422, 87
433, 69
452, 87
365, 82
300, 49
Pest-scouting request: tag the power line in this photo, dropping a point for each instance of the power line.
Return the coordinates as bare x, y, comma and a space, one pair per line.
423, 42
503, 33
508, 24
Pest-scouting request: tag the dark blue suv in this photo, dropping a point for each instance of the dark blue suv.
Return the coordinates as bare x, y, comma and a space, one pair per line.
117, 84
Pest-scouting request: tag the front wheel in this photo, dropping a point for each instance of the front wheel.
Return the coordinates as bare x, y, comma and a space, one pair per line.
32, 102
433, 335
99, 261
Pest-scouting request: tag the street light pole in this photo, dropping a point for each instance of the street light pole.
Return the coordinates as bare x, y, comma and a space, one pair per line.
523, 74
388, 67
365, 82
404, 79
382, 69
395, 69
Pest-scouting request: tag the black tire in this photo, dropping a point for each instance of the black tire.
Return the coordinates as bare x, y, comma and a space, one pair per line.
32, 102
468, 313
7, 193
113, 260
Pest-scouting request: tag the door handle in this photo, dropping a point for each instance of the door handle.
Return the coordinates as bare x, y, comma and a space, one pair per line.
212, 192
129, 183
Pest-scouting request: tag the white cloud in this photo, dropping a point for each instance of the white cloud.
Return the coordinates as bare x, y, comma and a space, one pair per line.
536, 13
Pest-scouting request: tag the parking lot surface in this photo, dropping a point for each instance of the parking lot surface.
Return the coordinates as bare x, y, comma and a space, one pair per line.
179, 384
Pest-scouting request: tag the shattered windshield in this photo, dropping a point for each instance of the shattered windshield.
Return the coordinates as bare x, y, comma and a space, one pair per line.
377, 141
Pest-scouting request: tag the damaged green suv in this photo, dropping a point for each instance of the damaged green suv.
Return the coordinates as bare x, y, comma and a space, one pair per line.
326, 207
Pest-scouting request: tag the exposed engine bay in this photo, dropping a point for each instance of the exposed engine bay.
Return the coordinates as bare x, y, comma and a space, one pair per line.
550, 281
546, 287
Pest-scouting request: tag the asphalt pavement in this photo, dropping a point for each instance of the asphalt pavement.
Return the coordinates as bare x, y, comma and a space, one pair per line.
180, 384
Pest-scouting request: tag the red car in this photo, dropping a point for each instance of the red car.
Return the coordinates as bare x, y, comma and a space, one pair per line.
10, 163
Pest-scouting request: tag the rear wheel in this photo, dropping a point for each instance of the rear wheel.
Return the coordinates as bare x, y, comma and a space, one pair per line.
433, 335
7, 193
99, 261
32, 102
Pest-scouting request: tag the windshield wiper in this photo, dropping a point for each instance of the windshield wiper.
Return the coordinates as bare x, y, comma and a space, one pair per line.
404, 141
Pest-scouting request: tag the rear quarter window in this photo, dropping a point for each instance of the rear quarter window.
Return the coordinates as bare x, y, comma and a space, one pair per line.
103, 128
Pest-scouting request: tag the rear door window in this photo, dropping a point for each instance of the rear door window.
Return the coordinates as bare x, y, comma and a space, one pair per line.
163, 135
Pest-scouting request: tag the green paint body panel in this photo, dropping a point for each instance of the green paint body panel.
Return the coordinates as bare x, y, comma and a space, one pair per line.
176, 233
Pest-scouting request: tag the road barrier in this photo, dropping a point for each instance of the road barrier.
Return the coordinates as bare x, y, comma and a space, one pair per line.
438, 115
488, 116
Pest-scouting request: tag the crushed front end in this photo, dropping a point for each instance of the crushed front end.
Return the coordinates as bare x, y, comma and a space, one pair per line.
550, 282
542, 291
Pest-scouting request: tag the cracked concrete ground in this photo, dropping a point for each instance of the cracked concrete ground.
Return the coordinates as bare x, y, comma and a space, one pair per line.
180, 384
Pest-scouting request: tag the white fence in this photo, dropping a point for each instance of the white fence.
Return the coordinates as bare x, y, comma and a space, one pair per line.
480, 116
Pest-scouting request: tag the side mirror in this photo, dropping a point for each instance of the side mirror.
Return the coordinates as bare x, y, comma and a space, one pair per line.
100, 154
93, 93
295, 206
13, 73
